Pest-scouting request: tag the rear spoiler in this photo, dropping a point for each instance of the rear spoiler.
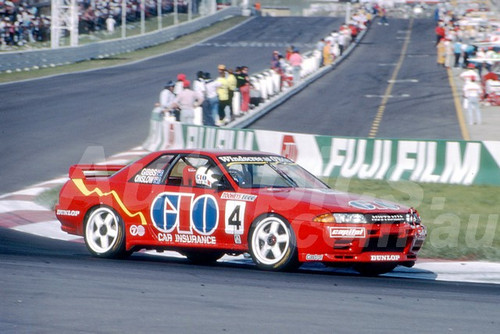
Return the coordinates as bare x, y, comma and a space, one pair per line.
84, 171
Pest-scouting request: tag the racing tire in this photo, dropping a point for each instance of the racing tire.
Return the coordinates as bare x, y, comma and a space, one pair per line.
272, 244
104, 233
374, 269
203, 258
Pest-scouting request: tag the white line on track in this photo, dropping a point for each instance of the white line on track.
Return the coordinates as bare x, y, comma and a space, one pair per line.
28, 191
9, 206
49, 229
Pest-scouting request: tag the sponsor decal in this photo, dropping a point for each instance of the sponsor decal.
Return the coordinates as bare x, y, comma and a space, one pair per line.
238, 197
373, 205
86, 192
387, 218
71, 213
164, 237
203, 180
253, 159
185, 214
419, 161
314, 257
149, 176
137, 230
431, 161
235, 217
195, 239
187, 238
377, 258
237, 239
197, 136
347, 232
289, 148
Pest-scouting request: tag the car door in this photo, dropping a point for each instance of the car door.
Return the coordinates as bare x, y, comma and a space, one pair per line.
193, 209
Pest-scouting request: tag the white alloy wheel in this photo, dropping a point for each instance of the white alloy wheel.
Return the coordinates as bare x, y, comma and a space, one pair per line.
104, 233
272, 244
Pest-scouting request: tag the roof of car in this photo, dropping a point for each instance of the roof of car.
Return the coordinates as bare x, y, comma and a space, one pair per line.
216, 152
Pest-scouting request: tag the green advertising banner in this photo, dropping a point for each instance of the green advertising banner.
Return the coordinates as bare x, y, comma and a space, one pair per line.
430, 161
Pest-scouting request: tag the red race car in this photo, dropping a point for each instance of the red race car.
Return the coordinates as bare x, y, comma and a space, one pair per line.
207, 203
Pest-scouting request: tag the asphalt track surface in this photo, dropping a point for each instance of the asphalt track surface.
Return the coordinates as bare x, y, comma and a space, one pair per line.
346, 101
49, 286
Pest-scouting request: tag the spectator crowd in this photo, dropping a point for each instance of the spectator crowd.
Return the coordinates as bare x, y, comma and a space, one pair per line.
218, 101
21, 24
206, 100
468, 41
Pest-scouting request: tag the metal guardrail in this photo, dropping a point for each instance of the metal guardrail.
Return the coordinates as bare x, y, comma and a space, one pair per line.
27, 60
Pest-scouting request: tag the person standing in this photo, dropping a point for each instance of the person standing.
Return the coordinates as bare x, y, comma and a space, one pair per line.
320, 48
448, 53
243, 83
327, 54
342, 41
201, 112
167, 97
440, 32
296, 63
187, 101
212, 97
223, 94
457, 50
231, 84
441, 50
472, 94
275, 61
179, 84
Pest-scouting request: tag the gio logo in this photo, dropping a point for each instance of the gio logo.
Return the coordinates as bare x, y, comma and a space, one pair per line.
181, 212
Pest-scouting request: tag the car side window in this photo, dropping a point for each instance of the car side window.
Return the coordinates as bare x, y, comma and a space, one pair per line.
194, 171
154, 172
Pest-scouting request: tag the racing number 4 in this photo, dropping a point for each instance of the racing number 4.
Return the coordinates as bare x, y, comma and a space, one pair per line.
235, 217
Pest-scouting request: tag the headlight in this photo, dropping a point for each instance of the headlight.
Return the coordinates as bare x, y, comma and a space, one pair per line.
341, 218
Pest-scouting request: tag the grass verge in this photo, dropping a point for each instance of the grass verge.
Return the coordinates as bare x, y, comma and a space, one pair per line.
462, 221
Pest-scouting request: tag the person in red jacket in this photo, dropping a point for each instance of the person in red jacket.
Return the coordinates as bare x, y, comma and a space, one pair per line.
440, 32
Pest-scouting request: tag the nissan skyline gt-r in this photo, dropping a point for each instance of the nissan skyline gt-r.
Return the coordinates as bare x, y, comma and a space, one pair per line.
208, 203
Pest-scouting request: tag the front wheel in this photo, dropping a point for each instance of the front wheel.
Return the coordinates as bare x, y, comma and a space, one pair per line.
272, 244
104, 233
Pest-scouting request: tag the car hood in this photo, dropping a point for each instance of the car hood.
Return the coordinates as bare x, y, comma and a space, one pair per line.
325, 200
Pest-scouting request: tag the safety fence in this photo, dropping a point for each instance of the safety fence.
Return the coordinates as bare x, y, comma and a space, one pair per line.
33, 59
430, 161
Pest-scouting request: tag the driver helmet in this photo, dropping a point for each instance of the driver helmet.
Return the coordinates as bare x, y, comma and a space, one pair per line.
206, 176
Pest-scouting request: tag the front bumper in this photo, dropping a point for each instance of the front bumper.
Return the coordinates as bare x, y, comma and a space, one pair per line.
399, 243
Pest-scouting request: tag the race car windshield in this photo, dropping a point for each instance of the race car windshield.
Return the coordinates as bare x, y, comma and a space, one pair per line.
272, 175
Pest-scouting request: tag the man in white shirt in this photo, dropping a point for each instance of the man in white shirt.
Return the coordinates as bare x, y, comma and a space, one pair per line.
472, 93
167, 98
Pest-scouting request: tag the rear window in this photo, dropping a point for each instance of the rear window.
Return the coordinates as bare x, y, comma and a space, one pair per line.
153, 173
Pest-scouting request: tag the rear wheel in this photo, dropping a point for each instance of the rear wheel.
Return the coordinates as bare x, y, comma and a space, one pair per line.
104, 233
272, 244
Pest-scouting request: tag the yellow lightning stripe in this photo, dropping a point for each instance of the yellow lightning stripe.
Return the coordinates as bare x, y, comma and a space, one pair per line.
83, 189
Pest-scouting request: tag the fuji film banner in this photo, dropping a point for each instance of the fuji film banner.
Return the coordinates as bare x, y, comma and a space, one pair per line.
430, 161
